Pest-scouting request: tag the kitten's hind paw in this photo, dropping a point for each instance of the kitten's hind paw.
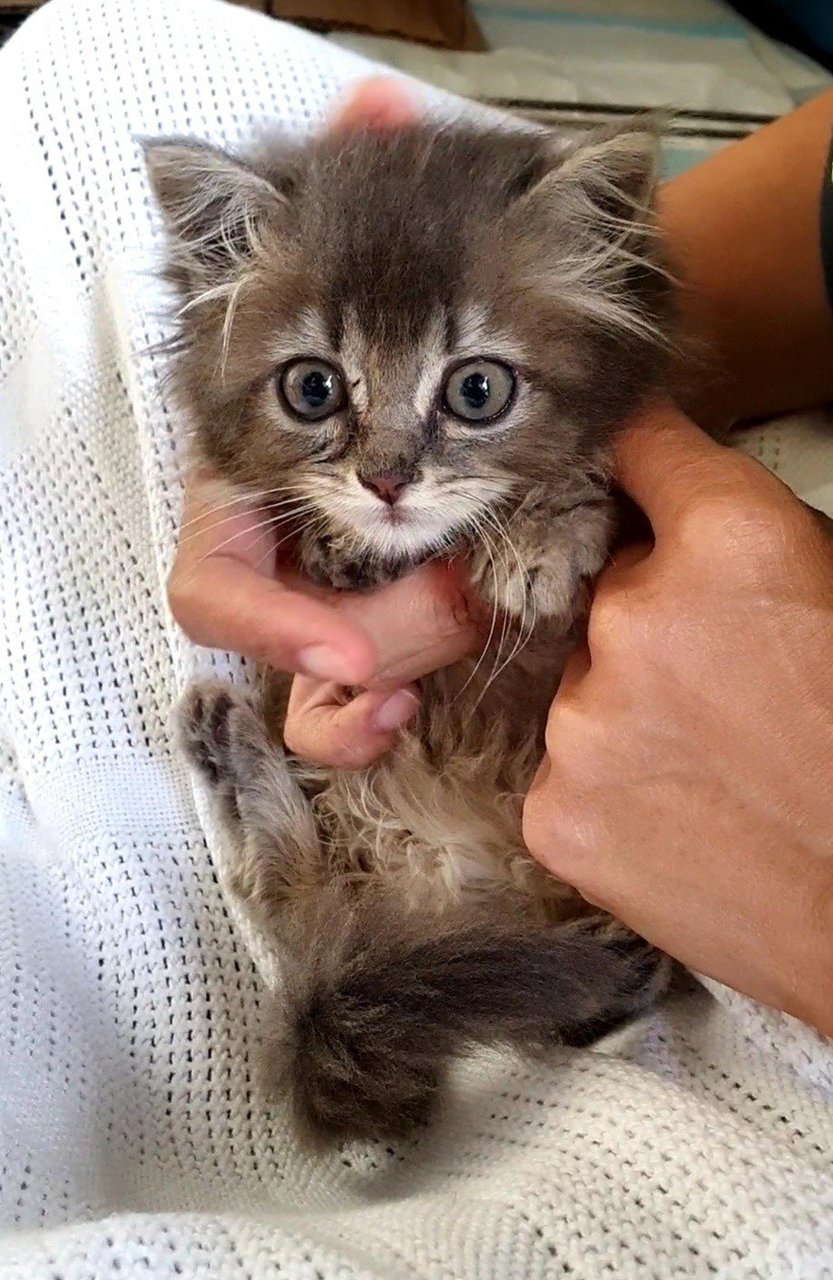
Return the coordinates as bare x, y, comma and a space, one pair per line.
223, 736
203, 728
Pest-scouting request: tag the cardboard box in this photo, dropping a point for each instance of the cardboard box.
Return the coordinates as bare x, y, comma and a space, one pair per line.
447, 23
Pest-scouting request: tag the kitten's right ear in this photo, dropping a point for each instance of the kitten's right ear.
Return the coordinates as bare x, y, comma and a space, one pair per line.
217, 208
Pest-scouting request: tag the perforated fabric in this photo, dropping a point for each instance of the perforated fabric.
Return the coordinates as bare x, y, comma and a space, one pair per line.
132, 1139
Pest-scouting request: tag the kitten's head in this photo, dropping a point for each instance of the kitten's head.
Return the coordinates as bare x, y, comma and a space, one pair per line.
399, 332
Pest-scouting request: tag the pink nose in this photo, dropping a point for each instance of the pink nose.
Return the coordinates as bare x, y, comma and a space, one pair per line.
388, 486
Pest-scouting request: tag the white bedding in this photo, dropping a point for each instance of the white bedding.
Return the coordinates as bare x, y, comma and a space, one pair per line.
132, 1141
580, 61
689, 55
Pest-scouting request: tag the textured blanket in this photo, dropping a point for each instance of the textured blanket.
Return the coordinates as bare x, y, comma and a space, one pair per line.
133, 1143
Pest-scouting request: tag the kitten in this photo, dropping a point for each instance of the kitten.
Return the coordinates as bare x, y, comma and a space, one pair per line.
425, 340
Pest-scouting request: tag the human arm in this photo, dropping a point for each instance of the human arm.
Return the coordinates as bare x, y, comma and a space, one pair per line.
689, 770
742, 230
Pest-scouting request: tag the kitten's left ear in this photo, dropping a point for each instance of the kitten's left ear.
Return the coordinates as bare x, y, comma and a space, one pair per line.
605, 184
217, 208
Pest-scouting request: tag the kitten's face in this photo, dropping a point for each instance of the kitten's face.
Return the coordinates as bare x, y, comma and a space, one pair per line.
397, 449
401, 334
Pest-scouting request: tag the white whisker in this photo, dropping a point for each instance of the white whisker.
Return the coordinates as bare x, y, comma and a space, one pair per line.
316, 520
235, 515
487, 542
241, 497
271, 521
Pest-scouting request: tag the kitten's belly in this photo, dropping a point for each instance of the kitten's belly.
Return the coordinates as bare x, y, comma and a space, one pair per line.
436, 838
444, 826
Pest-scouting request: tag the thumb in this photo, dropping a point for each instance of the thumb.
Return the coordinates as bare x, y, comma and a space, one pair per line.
380, 102
666, 463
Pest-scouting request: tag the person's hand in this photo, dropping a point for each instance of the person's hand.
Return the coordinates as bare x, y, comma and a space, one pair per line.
231, 588
688, 782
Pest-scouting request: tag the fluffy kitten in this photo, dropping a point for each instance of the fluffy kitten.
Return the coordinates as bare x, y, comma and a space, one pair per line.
425, 340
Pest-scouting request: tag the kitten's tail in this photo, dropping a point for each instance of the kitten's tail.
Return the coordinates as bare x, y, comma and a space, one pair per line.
381, 1002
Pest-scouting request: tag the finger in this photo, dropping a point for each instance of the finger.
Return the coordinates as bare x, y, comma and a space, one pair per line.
419, 624
380, 102
228, 605
666, 464
623, 559
223, 593
537, 808
321, 726
576, 670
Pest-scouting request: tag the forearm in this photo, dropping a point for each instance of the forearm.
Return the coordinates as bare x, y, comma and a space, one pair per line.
743, 232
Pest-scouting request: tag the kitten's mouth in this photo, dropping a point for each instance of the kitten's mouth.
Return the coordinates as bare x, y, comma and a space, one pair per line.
395, 516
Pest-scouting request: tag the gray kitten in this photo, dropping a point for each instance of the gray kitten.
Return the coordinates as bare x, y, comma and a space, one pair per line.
423, 342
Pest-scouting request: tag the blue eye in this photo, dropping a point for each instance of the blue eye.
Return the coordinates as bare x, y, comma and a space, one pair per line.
312, 389
479, 390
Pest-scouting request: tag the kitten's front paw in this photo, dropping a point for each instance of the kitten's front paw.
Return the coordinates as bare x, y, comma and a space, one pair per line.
628, 976
543, 567
333, 564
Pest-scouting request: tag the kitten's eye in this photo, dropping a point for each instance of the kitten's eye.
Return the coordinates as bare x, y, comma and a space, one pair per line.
312, 389
479, 390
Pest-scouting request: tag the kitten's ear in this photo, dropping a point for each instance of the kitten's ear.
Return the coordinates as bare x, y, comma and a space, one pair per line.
217, 208
607, 182
584, 235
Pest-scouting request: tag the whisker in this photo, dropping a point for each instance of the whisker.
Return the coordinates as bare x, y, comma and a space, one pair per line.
281, 519
506, 623
319, 519
487, 542
273, 520
241, 497
522, 639
196, 533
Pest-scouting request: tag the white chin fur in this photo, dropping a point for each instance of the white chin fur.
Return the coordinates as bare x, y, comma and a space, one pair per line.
422, 523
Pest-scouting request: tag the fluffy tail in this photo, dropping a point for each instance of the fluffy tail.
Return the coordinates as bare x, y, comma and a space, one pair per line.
377, 1003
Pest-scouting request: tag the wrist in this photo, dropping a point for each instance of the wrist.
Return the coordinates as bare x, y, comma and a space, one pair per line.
807, 971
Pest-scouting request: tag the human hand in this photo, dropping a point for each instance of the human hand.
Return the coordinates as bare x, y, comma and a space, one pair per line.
231, 587
687, 781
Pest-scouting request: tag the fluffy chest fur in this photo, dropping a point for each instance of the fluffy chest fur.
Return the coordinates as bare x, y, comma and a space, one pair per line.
439, 818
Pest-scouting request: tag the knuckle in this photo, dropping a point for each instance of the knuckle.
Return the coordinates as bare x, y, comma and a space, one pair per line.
357, 756
535, 825
562, 728
614, 615
295, 740
180, 598
749, 509
329, 745
560, 834
760, 537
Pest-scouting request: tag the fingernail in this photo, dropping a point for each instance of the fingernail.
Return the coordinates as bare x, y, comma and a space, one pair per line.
395, 712
324, 663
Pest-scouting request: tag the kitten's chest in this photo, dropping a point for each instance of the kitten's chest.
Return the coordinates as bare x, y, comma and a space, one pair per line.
441, 814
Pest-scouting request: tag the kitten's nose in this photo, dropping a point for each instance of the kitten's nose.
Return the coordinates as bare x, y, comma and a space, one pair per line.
388, 485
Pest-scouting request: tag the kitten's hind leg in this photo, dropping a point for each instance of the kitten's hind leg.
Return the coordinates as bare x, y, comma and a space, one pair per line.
625, 975
225, 736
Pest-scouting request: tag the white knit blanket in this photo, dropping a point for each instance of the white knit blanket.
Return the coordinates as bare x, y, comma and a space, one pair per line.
132, 1140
